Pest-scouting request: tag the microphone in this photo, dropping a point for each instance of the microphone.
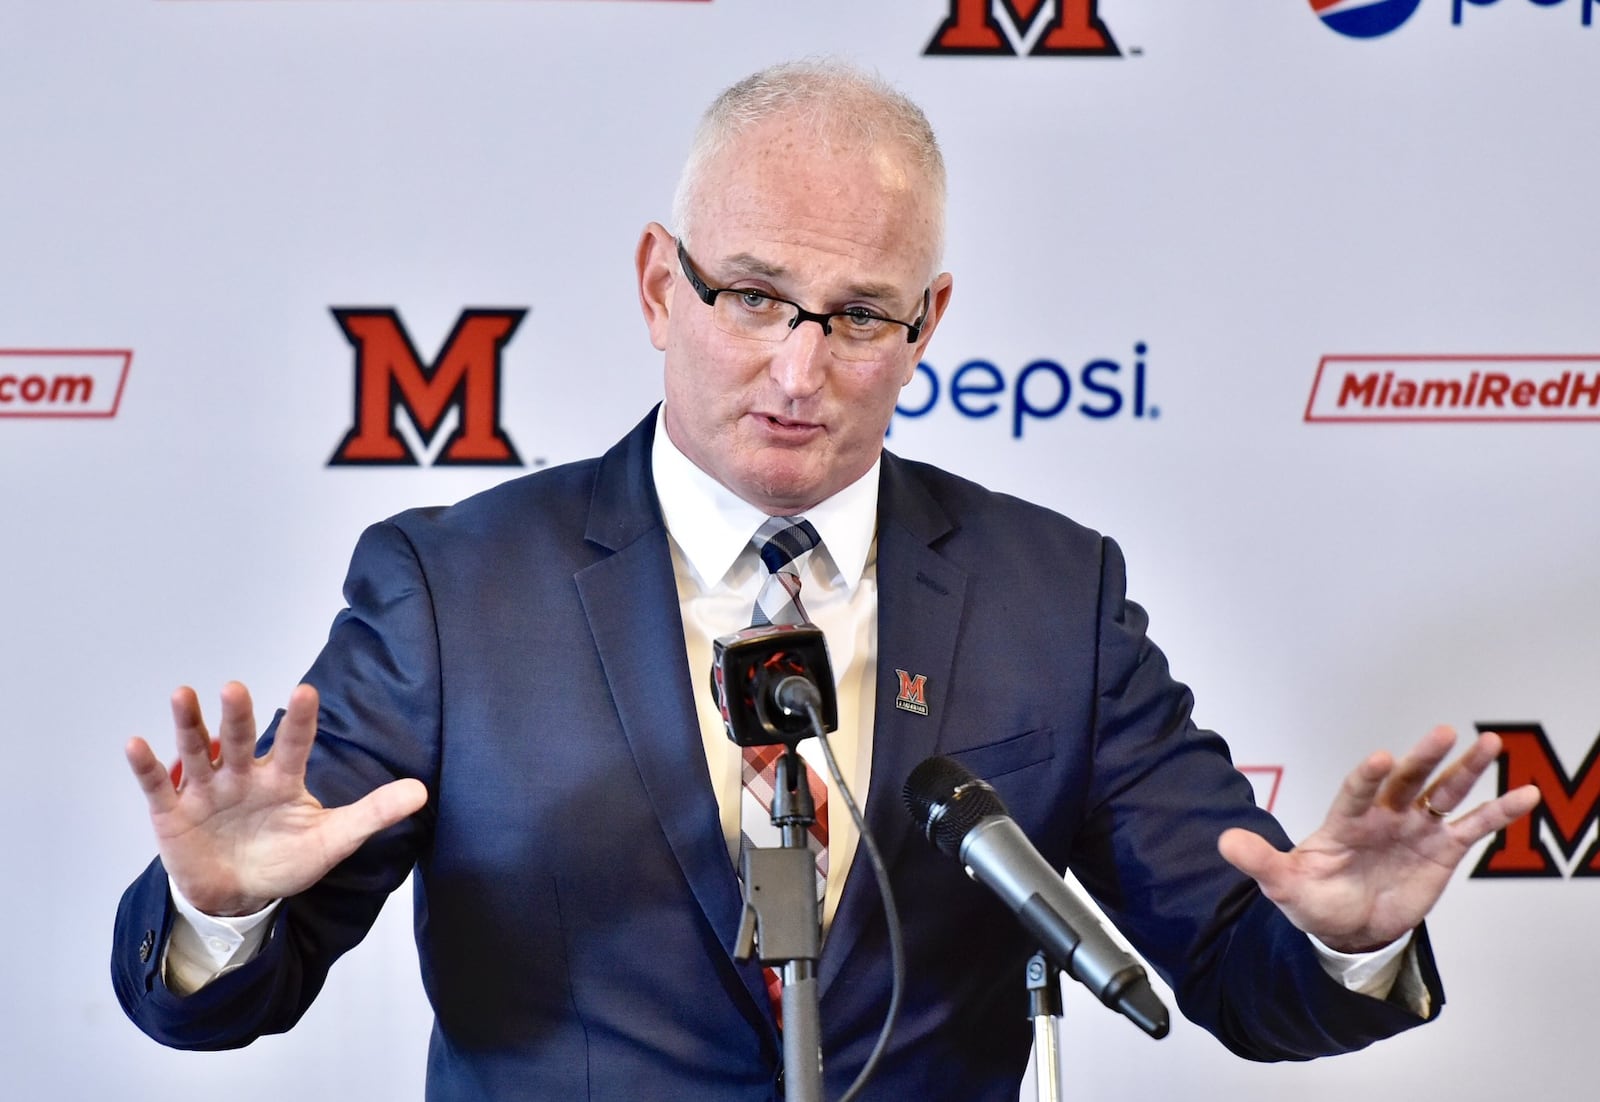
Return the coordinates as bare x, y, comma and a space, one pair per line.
762, 679
965, 818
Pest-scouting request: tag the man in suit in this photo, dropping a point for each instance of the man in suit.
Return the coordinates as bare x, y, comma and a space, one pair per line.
514, 704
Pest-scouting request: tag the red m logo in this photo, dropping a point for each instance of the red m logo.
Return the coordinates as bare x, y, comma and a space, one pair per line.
913, 693
976, 27
913, 690
1569, 807
464, 378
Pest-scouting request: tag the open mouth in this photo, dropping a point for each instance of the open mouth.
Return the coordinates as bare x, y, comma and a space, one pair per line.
785, 430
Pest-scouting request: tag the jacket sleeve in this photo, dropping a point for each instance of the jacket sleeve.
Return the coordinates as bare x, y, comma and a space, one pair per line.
379, 721
1164, 790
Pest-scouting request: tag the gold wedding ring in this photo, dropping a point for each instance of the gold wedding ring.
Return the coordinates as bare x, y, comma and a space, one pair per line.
1423, 802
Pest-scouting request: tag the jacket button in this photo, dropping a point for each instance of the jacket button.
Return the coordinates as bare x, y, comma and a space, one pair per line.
147, 946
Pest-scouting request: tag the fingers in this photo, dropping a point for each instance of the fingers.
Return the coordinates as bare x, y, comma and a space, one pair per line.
193, 740
1360, 788
151, 775
1453, 785
1495, 815
1411, 773
384, 806
1404, 786
199, 756
237, 731
1397, 785
296, 731
1251, 854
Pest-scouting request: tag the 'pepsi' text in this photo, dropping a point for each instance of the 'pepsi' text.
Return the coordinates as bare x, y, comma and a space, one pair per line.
1099, 390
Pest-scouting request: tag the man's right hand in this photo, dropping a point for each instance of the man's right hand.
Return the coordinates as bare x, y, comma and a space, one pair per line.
241, 831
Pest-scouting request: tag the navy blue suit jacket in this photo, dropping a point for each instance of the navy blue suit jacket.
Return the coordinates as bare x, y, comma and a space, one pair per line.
522, 654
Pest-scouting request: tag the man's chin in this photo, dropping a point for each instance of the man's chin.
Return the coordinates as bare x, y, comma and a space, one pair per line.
782, 489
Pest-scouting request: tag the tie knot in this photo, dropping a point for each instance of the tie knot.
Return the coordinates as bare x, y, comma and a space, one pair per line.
781, 540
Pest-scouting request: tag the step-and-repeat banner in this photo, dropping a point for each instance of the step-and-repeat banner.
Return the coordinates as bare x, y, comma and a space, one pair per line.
1296, 299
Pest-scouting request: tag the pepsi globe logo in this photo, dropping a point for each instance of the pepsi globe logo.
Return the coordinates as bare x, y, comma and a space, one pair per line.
1364, 18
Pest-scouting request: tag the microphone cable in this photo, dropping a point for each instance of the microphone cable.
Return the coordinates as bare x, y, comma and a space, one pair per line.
797, 694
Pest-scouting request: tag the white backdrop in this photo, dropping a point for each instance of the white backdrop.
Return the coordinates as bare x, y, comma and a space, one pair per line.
1243, 192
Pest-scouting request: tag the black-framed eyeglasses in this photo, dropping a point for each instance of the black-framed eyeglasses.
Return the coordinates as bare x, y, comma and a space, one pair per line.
858, 333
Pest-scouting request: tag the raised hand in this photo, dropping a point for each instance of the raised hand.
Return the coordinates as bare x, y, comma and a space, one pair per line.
240, 832
1388, 847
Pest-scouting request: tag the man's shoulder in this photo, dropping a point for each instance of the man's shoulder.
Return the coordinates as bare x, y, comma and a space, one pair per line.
609, 497
554, 500
977, 512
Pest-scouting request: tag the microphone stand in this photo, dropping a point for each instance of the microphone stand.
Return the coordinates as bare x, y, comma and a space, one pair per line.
1044, 1007
782, 918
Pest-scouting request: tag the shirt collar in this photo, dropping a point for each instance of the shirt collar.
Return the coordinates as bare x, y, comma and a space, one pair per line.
712, 525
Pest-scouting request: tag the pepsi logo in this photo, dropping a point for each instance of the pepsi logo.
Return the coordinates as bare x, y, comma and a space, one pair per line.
1364, 18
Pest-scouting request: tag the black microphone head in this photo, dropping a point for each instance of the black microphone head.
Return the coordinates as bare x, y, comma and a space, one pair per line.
946, 801
748, 666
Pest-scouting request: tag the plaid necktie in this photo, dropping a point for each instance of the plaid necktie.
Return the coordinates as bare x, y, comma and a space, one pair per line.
780, 541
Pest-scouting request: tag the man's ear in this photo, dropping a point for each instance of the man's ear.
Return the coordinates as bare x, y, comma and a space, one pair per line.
656, 262
938, 300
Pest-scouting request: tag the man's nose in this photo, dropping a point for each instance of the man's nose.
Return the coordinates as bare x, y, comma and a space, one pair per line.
802, 360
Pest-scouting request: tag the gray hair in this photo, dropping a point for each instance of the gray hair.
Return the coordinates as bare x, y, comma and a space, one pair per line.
845, 106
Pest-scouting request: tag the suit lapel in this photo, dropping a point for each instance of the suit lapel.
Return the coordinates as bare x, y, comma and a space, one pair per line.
631, 600
920, 601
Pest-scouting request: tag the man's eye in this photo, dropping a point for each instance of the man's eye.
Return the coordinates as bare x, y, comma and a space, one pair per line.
756, 302
860, 320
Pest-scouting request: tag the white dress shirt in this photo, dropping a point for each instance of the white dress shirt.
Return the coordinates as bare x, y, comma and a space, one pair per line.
719, 575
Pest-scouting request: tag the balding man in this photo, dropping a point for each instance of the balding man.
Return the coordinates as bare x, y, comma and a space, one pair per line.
513, 706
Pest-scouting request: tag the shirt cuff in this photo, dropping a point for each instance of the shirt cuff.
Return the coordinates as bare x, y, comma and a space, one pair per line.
1392, 973
202, 947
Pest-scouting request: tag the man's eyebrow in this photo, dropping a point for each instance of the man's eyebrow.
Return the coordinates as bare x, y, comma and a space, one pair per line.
748, 264
744, 265
881, 291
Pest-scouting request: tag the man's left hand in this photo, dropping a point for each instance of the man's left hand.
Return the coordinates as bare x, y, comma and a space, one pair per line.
1388, 847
